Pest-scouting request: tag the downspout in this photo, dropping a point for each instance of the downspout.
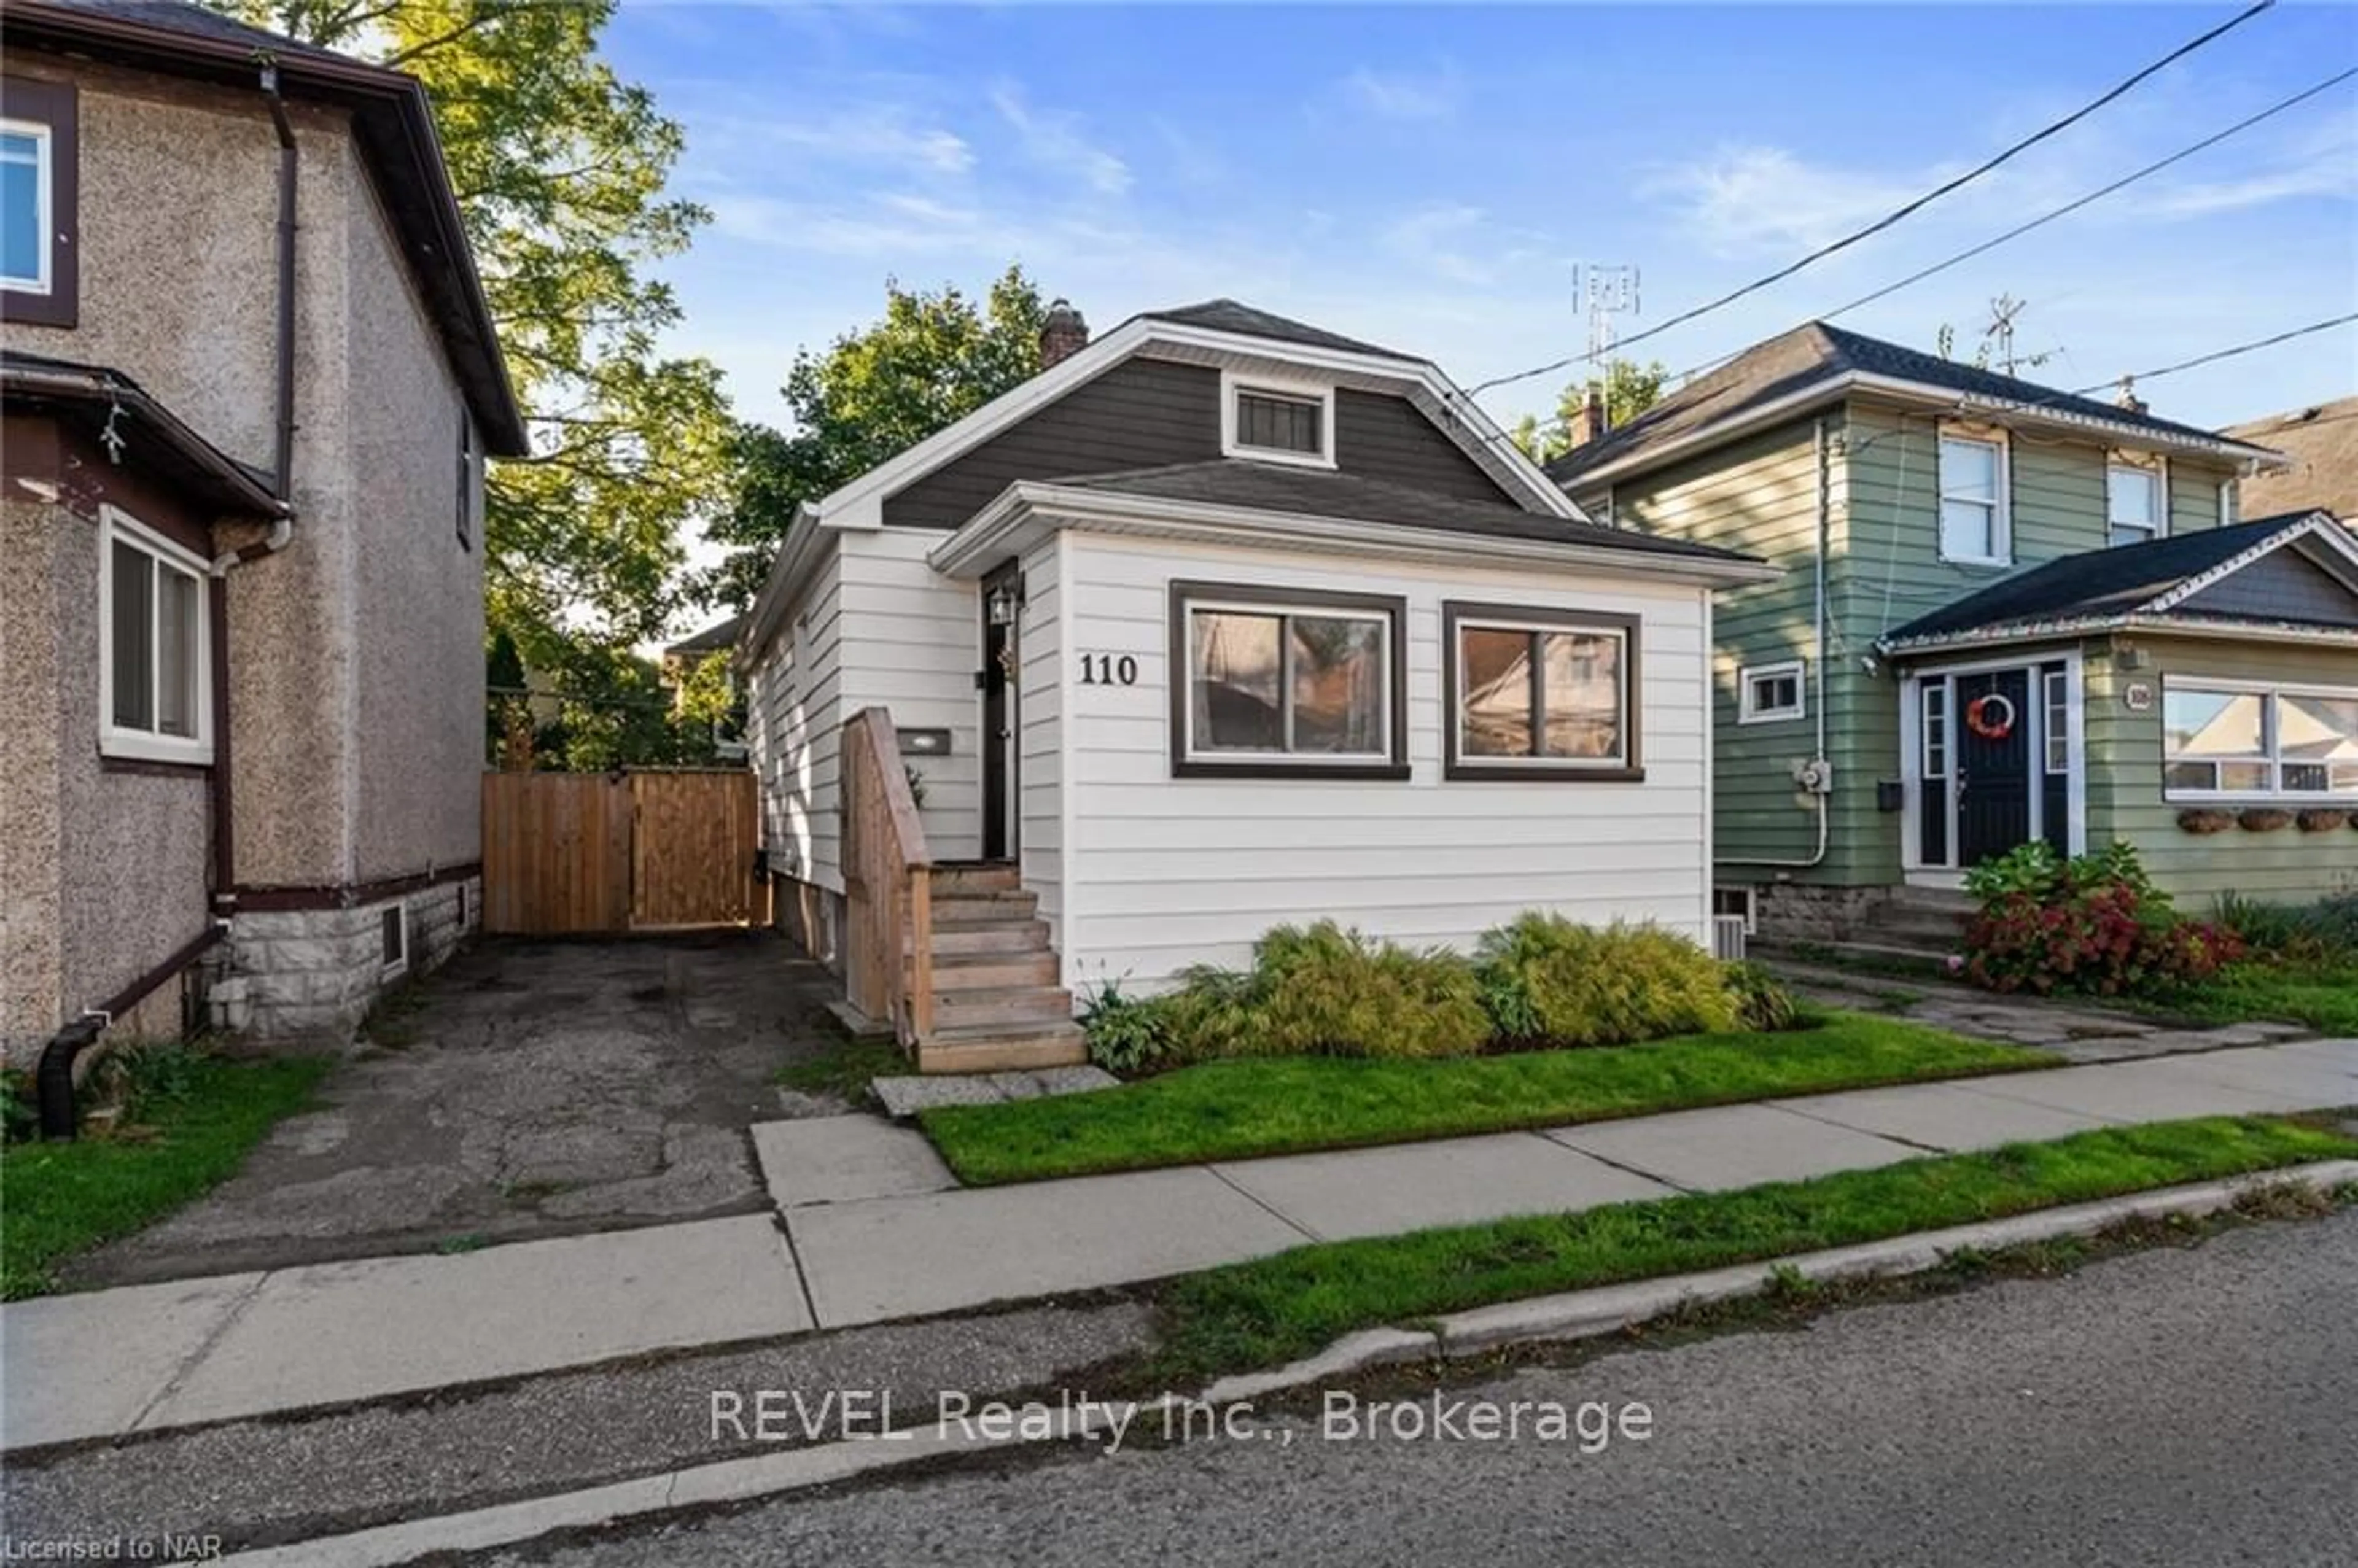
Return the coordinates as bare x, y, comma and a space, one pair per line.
1816, 768
282, 529
54, 1077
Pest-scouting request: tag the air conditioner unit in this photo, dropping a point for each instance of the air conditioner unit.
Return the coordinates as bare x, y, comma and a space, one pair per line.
1728, 939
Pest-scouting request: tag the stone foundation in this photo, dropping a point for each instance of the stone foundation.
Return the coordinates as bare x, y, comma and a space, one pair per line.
1801, 912
313, 974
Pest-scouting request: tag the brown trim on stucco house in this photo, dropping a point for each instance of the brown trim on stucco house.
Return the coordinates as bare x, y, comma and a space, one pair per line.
354, 895
51, 104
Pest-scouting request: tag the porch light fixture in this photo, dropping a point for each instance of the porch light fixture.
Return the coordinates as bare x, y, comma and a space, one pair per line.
1004, 604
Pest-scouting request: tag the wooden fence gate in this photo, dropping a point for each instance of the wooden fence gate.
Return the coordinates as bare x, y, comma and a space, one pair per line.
578, 854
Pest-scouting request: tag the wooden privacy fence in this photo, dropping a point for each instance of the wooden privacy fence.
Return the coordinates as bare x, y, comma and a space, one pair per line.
579, 854
888, 947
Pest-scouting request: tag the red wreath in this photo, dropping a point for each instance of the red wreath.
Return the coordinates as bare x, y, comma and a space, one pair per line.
1979, 721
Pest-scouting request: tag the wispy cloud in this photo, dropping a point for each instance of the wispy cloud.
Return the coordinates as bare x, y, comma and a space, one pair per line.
1443, 239
1745, 198
872, 134
1055, 140
1404, 95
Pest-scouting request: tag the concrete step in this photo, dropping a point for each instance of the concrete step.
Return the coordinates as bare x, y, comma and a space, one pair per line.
980, 908
1007, 1007
998, 1050
1006, 936
953, 878
1952, 900
993, 971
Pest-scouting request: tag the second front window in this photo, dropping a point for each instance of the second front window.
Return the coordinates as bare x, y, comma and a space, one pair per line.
1537, 693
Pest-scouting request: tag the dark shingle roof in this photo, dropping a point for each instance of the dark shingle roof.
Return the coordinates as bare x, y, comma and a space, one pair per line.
2114, 582
1815, 352
2322, 442
1229, 316
201, 22
1321, 492
712, 639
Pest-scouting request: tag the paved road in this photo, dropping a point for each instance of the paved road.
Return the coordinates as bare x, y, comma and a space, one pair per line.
2172, 1408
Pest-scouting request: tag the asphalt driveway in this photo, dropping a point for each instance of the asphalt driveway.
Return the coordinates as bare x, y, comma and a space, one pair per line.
524, 1089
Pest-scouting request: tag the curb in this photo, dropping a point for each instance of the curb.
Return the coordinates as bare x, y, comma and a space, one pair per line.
1573, 1316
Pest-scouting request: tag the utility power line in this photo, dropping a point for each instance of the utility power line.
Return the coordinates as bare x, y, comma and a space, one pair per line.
2218, 354
1903, 211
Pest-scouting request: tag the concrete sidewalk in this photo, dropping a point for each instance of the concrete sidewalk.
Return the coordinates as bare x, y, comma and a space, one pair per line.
873, 1228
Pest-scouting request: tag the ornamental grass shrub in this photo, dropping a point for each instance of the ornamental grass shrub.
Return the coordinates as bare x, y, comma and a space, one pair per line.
1547, 981
1324, 990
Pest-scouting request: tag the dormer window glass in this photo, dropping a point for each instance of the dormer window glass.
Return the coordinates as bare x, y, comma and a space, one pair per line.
2131, 504
1277, 422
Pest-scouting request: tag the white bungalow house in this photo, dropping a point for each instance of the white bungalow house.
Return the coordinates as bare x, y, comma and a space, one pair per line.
1220, 621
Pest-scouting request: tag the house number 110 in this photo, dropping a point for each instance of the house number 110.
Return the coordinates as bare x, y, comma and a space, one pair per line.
1108, 669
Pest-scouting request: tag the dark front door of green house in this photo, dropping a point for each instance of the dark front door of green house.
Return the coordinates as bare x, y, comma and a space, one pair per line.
1993, 763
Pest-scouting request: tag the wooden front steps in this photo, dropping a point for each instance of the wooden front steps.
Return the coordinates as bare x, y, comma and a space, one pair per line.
997, 1005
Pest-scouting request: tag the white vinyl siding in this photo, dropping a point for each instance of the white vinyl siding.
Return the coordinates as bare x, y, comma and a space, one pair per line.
1162, 872
1044, 664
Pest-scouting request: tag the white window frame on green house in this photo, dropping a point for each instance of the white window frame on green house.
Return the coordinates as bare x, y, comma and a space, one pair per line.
1751, 678
1919, 745
1996, 509
2153, 480
142, 737
2268, 758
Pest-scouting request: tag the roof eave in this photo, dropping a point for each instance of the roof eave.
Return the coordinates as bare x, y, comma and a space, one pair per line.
357, 85
1840, 385
233, 485
1027, 510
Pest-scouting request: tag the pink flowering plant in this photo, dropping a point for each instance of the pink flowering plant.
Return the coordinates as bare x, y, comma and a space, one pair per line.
2094, 923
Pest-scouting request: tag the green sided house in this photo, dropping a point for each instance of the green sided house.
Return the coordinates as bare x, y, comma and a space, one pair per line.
2009, 614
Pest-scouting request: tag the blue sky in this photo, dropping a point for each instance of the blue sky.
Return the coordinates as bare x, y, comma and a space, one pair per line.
1432, 179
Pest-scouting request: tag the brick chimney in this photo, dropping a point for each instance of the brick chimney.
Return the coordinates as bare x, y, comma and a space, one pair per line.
1587, 422
1063, 335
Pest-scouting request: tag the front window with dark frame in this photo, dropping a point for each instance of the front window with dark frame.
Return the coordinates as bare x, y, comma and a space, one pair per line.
1543, 693
1270, 681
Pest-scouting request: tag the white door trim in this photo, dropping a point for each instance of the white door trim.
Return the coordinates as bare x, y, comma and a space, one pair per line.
1911, 755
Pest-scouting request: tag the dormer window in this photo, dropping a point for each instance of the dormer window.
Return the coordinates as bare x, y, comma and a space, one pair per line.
1281, 421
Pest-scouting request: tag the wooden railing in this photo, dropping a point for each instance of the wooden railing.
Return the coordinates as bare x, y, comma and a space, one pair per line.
888, 882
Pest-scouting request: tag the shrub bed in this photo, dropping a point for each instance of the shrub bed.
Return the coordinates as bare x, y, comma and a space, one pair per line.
1539, 981
2094, 924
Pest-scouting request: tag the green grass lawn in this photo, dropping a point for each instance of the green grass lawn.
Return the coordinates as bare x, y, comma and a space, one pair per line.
1283, 1104
1279, 1309
57, 1199
2323, 996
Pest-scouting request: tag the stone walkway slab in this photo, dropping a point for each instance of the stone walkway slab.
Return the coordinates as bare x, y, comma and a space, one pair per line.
1942, 1116
901, 1257
838, 1159
1415, 1186
86, 1366
337, 1332
1730, 1146
904, 1097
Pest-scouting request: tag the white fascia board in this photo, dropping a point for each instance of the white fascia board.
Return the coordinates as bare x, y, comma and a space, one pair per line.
2134, 621
1025, 512
1926, 394
2319, 525
789, 574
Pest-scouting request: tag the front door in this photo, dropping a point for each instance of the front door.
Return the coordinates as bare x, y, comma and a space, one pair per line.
1993, 732
1000, 720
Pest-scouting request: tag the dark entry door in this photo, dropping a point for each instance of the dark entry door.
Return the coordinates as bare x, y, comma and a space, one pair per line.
1993, 770
1000, 718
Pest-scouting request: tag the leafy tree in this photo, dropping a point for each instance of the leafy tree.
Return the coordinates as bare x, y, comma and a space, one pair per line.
559, 168
1629, 389
934, 359
613, 710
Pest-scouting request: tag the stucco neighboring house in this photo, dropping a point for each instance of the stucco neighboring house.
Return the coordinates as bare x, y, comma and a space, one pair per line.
2009, 614
1220, 621
250, 380
2321, 472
